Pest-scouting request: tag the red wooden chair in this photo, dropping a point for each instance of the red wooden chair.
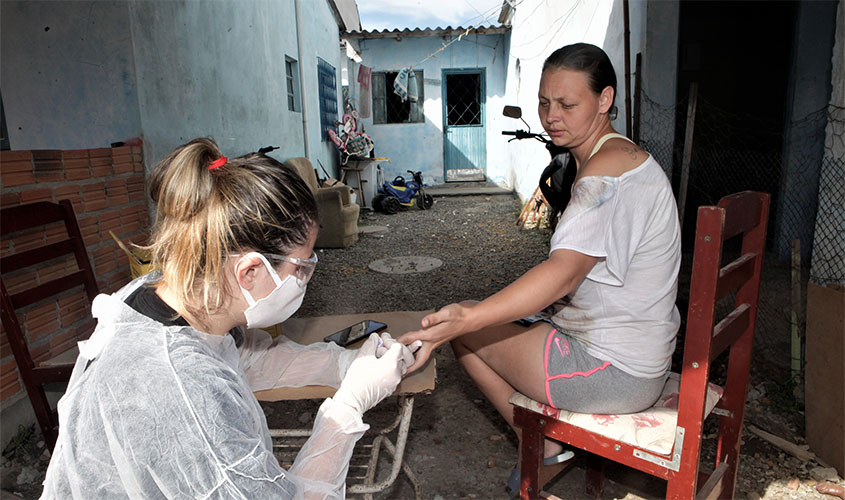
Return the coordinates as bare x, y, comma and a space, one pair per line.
35, 374
665, 440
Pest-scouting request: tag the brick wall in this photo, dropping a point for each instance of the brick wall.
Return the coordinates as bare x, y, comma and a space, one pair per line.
106, 187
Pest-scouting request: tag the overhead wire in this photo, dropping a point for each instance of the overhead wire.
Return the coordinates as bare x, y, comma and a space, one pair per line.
465, 32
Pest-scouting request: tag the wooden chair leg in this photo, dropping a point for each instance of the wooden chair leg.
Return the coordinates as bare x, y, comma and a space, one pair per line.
594, 476
531, 453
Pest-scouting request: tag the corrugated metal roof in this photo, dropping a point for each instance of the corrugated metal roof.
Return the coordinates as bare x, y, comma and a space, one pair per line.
417, 32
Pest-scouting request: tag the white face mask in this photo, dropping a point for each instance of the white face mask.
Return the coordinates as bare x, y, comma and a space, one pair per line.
278, 305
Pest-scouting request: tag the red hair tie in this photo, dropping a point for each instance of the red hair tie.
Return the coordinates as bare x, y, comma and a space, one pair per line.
219, 162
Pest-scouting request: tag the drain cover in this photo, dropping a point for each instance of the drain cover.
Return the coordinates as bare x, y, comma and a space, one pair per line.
405, 264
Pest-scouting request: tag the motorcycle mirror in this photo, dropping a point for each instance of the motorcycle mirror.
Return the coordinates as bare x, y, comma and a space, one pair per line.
512, 111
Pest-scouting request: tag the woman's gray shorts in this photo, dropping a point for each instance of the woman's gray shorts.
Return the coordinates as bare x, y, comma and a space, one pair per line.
576, 381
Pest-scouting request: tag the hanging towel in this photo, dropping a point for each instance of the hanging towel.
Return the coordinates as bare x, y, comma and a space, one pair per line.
400, 85
364, 75
413, 92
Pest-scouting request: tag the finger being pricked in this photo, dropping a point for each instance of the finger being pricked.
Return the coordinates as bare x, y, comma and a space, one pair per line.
421, 356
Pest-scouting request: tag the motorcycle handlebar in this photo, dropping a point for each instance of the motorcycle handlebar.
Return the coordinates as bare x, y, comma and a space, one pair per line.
522, 134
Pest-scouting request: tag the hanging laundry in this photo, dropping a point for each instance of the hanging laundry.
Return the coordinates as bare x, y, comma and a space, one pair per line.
400, 84
413, 91
364, 75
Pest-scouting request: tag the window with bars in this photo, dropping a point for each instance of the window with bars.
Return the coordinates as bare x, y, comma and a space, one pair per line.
463, 99
327, 82
388, 107
292, 84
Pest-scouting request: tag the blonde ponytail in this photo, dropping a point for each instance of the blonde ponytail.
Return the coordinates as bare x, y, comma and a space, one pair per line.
249, 203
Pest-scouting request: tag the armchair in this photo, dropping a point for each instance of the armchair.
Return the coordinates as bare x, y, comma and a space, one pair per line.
338, 214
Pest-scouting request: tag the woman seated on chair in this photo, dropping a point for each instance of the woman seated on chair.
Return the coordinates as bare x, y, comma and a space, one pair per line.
160, 403
608, 287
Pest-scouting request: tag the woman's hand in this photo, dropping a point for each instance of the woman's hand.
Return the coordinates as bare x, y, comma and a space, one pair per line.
442, 326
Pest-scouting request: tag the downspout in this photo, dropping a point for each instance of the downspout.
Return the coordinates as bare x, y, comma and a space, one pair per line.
302, 87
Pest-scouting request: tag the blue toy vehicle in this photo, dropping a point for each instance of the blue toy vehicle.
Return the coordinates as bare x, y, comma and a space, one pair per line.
399, 193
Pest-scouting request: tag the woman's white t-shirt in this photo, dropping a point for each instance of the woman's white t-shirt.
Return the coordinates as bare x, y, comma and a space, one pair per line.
624, 311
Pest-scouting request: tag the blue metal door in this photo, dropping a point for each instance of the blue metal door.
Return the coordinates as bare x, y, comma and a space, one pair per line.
464, 139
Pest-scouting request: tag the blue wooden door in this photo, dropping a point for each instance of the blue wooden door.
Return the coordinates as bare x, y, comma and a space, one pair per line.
464, 140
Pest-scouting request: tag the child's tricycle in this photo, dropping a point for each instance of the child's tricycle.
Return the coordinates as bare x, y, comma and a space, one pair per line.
399, 193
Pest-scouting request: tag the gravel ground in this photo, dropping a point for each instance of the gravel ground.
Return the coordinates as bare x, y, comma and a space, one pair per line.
459, 447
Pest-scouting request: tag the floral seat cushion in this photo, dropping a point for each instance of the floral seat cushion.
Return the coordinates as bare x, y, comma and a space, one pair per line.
652, 429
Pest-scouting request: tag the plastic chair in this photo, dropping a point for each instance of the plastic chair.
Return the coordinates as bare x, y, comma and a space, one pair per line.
36, 216
665, 440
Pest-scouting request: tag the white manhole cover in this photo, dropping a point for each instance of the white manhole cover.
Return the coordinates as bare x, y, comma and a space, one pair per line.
405, 264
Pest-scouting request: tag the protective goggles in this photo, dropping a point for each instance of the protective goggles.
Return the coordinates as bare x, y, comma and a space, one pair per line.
304, 267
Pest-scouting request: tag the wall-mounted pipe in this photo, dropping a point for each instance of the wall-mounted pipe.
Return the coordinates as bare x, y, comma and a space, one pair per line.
303, 96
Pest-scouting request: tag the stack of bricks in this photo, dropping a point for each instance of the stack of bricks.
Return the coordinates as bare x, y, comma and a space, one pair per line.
106, 188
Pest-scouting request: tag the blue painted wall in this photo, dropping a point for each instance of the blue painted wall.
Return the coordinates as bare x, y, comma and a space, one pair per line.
67, 74
217, 68
419, 146
82, 74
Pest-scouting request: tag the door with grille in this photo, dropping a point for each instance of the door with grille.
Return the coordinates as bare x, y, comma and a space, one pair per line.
464, 142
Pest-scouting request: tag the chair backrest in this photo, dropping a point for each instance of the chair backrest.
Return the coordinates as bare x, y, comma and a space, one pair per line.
305, 169
37, 217
742, 215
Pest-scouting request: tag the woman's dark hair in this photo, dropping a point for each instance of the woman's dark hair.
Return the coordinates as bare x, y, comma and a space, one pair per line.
203, 215
586, 58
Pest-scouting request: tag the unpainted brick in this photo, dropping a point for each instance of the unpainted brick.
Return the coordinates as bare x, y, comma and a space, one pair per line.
100, 152
49, 171
72, 308
13, 179
89, 227
101, 167
10, 200
46, 154
119, 279
7, 156
55, 270
94, 196
116, 191
6, 392
104, 260
121, 151
77, 169
33, 195
19, 281
69, 192
62, 341
84, 330
5, 348
17, 166
42, 321
27, 240
39, 352
54, 232
122, 168
74, 153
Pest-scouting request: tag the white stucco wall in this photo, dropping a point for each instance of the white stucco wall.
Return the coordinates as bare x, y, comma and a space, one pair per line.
67, 74
539, 28
419, 146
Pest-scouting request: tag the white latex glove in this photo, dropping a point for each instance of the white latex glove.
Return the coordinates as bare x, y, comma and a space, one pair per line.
344, 361
387, 342
370, 379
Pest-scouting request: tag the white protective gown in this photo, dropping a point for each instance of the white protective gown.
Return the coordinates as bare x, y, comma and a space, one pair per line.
153, 411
